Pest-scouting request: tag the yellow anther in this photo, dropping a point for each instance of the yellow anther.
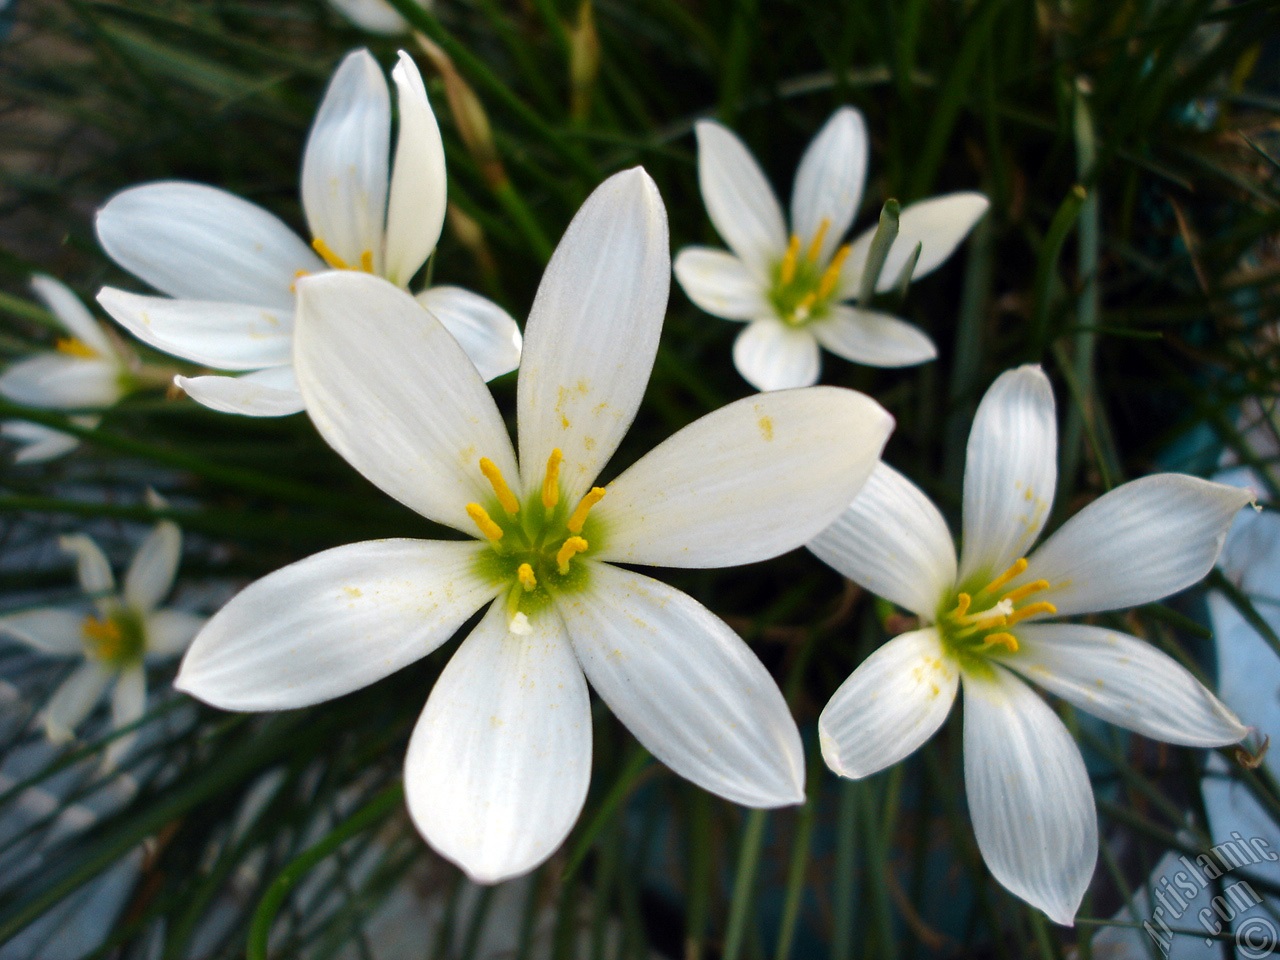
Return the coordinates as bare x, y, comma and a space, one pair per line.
551, 483
579, 517
74, 347
327, 254
505, 496
990, 622
815, 245
105, 636
525, 575
832, 274
366, 261
1006, 640
962, 605
482, 520
1030, 610
787, 272
1018, 567
1035, 586
571, 546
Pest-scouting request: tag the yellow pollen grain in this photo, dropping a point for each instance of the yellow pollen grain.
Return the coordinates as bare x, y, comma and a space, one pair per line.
505, 496
1018, 567
832, 274
787, 272
567, 550
74, 347
1035, 586
551, 483
366, 261
482, 520
525, 575
1006, 640
327, 254
1030, 610
579, 517
815, 245
962, 605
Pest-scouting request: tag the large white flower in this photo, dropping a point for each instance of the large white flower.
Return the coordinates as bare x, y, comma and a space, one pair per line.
126, 630
791, 288
1029, 795
231, 267
498, 766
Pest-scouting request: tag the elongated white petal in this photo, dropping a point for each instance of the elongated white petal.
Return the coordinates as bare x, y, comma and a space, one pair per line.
92, 568
38, 443
895, 701
72, 314
687, 686
487, 333
937, 225
47, 629
1126, 681
415, 211
829, 182
873, 338
1142, 541
1011, 469
74, 700
128, 704
749, 481
392, 391
229, 336
1029, 795
498, 766
773, 356
150, 575
199, 243
373, 16
334, 622
593, 332
893, 541
170, 632
272, 392
59, 381
344, 165
721, 284
739, 200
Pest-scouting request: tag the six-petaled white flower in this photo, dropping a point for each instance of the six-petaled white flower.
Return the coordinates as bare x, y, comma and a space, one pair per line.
126, 630
1029, 794
791, 288
231, 267
498, 765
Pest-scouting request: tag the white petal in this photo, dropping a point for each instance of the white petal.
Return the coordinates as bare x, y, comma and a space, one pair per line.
74, 700
773, 356
47, 629
59, 381
893, 541
228, 336
373, 16
333, 623
344, 165
150, 575
894, 702
686, 686
739, 200
498, 766
170, 632
829, 181
91, 564
937, 225
1029, 795
72, 314
721, 284
875, 339
749, 481
415, 212
1126, 681
392, 391
1142, 541
1011, 468
38, 443
272, 392
128, 704
593, 332
199, 243
485, 331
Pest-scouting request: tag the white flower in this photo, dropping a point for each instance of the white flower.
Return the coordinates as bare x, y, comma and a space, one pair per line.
374, 16
790, 289
125, 631
231, 267
498, 766
1029, 795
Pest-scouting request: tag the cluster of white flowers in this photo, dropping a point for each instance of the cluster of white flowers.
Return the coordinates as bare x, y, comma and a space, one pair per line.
498, 765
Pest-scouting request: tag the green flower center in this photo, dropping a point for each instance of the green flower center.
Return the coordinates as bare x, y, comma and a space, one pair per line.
117, 639
973, 626
802, 287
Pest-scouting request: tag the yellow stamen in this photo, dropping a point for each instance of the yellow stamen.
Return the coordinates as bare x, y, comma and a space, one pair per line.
74, 347
1018, 567
505, 496
327, 254
525, 575
997, 621
787, 272
962, 605
1035, 586
593, 496
482, 520
105, 636
366, 261
806, 303
571, 546
815, 245
1006, 640
551, 484
832, 275
1030, 610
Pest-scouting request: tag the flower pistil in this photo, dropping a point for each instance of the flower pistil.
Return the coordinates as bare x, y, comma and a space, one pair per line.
974, 634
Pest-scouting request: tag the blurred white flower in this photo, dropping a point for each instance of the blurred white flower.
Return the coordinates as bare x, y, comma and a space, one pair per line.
231, 267
1029, 794
498, 766
791, 289
374, 16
